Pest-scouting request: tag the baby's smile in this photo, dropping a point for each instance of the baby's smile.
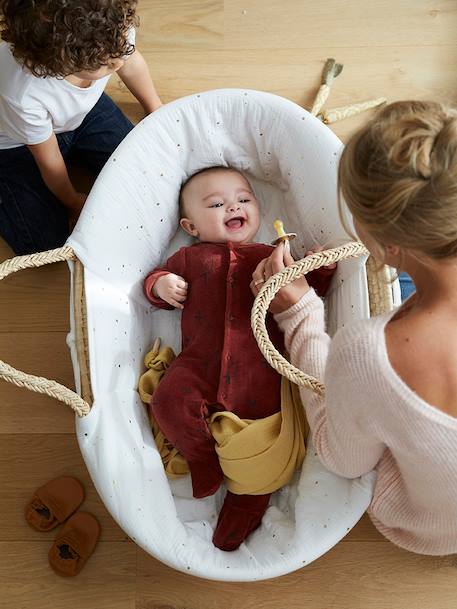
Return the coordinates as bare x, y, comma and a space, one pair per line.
235, 223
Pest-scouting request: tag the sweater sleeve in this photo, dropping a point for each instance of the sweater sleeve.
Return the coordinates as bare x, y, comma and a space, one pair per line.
342, 443
175, 264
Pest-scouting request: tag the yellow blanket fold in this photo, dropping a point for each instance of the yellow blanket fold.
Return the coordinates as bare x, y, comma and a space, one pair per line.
257, 456
157, 361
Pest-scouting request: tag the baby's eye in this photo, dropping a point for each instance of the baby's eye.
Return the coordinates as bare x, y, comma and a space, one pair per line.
216, 204
244, 200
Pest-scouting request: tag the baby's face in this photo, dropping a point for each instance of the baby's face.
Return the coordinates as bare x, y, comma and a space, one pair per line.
220, 206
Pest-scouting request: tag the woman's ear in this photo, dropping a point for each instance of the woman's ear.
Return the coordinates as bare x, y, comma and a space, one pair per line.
393, 250
394, 256
189, 227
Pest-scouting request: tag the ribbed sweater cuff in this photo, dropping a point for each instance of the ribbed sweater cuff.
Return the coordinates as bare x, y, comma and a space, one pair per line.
307, 303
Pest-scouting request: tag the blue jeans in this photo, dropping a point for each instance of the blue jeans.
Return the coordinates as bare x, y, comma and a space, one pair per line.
406, 286
32, 219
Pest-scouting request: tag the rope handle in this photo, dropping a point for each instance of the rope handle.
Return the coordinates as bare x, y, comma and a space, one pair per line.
266, 295
39, 384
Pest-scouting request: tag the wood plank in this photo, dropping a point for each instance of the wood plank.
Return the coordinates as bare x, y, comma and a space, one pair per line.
291, 24
28, 582
29, 460
364, 530
248, 24
43, 354
36, 300
368, 575
190, 24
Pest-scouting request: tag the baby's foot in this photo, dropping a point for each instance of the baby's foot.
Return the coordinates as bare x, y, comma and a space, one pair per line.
239, 516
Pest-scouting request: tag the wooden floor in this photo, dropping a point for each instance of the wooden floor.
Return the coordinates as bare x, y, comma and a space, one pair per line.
397, 48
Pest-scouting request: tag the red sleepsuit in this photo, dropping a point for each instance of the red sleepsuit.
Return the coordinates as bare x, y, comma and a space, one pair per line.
220, 366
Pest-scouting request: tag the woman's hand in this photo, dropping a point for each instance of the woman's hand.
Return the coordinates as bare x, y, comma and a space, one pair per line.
277, 261
171, 288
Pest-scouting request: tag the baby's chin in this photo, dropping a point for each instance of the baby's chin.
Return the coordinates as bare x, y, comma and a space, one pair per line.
239, 237
231, 238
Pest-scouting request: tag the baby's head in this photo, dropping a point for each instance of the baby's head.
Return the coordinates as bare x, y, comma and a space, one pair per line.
398, 176
57, 38
218, 205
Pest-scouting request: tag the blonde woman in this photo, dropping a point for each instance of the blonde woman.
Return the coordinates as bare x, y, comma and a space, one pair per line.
391, 381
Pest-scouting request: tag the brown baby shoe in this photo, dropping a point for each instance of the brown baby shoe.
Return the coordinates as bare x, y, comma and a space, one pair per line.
54, 502
74, 544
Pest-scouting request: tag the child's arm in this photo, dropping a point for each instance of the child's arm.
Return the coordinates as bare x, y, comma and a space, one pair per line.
55, 175
165, 287
135, 75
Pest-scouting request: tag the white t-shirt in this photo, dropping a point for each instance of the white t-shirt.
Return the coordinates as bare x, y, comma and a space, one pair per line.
32, 108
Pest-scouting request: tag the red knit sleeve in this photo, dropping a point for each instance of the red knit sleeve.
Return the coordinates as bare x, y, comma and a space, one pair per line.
320, 279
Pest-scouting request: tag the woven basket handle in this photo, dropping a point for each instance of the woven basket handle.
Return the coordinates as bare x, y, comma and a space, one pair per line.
29, 381
266, 295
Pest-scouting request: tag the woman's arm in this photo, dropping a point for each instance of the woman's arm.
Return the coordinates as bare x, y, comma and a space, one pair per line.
336, 421
341, 441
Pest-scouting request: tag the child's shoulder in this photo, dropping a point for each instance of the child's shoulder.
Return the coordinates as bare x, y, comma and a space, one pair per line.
15, 82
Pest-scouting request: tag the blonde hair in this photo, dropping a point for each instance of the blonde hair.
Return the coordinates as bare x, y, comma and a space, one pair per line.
398, 177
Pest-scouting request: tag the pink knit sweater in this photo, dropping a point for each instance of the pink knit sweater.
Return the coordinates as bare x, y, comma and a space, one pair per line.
371, 419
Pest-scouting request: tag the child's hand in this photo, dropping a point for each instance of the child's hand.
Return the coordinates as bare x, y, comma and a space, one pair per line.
76, 208
171, 288
79, 201
277, 261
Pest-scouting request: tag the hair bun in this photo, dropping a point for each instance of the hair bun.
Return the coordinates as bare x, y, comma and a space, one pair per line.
411, 142
421, 143
398, 176
444, 150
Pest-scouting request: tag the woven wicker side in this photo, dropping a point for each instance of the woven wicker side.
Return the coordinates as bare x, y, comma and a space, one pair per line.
379, 287
81, 338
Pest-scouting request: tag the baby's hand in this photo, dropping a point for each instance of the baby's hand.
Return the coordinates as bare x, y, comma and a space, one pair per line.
277, 261
171, 288
319, 248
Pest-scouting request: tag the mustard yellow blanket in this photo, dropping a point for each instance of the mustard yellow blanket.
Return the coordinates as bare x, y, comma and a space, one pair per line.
257, 456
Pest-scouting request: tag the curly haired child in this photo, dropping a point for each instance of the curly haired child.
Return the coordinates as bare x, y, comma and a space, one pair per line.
55, 63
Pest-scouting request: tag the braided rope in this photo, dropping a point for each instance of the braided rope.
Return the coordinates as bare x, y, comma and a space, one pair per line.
329, 73
266, 295
29, 381
8, 267
338, 114
321, 98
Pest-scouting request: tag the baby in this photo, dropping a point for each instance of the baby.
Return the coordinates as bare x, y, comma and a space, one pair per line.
220, 366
